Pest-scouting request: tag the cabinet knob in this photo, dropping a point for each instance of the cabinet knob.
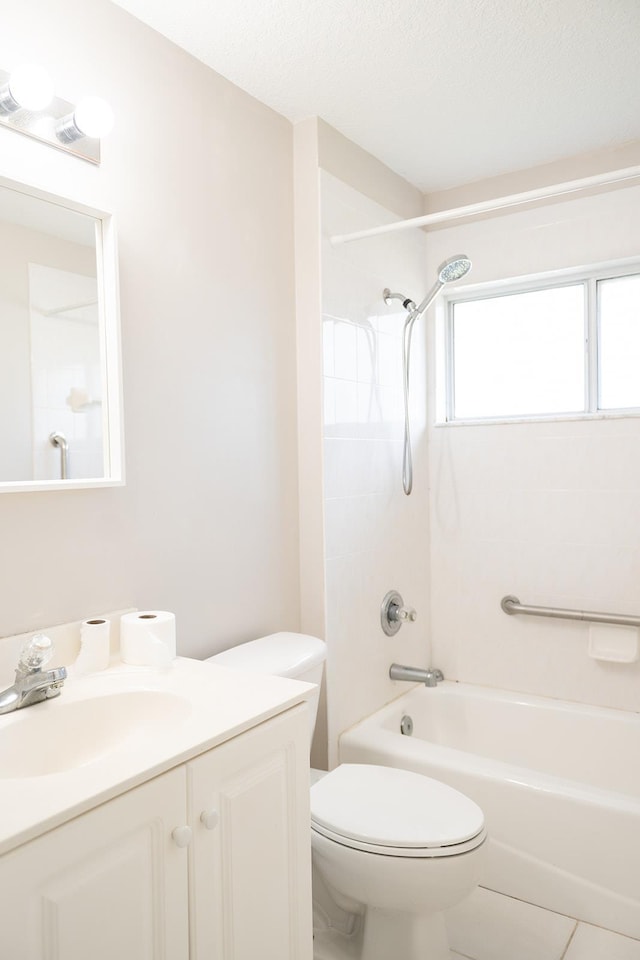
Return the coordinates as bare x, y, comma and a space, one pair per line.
182, 836
210, 819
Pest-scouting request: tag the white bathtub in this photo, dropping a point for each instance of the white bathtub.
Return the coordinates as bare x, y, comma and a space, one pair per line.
559, 784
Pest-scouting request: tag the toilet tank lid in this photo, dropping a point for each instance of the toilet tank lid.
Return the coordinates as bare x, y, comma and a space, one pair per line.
278, 654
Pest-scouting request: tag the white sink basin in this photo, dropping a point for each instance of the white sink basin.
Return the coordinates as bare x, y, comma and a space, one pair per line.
111, 731
56, 736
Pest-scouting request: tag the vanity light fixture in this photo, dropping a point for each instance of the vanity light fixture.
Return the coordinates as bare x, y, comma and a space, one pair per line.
28, 105
92, 117
28, 87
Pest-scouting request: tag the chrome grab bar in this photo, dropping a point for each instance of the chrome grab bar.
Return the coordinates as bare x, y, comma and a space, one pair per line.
512, 605
59, 440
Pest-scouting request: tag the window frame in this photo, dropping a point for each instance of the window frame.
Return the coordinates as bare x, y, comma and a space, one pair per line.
588, 277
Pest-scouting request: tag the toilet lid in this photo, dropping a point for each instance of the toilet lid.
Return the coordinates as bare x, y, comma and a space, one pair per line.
388, 807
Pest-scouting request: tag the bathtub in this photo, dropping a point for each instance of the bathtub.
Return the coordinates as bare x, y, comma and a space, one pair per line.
559, 784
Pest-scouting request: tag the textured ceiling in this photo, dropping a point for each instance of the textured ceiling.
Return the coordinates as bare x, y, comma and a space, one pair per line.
443, 91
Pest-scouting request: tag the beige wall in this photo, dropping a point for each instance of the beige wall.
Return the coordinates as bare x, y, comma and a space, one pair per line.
365, 173
199, 176
536, 178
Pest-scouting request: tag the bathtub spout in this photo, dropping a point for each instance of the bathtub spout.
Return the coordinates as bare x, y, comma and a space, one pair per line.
430, 677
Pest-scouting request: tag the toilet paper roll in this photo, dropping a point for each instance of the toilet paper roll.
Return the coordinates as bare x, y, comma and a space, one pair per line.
148, 638
95, 648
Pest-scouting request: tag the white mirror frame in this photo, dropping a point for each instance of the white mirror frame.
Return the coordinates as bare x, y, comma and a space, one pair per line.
111, 353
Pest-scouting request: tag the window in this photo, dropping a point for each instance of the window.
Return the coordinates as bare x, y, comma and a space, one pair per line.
551, 348
619, 342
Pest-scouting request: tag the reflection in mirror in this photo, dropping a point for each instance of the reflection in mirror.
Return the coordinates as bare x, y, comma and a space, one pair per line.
58, 330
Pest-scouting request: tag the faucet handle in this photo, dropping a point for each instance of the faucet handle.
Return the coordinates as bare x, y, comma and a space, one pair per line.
393, 613
402, 613
35, 652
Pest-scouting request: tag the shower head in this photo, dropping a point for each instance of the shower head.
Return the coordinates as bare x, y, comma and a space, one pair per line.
454, 268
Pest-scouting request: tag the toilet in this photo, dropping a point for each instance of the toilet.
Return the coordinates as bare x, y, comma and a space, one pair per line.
392, 849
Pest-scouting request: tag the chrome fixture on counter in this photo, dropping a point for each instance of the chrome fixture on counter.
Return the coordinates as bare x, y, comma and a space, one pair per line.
430, 677
32, 683
393, 613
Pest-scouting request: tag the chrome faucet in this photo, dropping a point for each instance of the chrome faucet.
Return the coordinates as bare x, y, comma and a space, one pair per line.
32, 683
430, 677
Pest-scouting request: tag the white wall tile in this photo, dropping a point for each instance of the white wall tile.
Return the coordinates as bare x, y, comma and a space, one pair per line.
560, 498
328, 346
376, 539
390, 356
561, 520
329, 404
392, 404
370, 409
489, 926
346, 404
367, 351
593, 943
345, 358
339, 467
346, 526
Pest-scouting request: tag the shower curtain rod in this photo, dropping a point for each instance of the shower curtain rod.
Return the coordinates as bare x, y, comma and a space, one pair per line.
487, 206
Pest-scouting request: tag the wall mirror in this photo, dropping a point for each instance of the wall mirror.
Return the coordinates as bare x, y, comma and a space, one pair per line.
60, 388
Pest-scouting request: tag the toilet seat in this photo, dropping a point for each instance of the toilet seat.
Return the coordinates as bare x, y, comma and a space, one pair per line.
393, 812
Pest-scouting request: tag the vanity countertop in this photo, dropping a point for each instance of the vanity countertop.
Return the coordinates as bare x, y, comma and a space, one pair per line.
85, 751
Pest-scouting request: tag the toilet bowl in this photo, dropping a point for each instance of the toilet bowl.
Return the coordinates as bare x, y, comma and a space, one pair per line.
396, 848
392, 848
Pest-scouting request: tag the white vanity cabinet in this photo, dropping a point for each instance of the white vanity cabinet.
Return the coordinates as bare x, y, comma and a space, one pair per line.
251, 856
109, 884
208, 861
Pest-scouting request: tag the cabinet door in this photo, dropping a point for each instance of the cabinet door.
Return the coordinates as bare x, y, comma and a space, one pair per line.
251, 855
109, 885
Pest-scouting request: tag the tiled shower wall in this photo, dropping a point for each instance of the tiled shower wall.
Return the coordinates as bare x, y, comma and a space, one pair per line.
548, 511
377, 539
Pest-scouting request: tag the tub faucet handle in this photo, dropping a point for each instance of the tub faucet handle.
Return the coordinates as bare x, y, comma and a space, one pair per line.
402, 613
393, 613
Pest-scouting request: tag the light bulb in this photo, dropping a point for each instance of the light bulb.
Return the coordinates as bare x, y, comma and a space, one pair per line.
31, 87
93, 117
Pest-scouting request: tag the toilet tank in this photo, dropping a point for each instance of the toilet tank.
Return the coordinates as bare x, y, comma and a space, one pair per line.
294, 655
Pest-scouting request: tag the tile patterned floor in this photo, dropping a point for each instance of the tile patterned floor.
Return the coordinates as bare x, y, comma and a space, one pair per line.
490, 926
593, 943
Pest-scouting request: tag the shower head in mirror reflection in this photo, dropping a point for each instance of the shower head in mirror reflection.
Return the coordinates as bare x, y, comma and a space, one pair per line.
455, 268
